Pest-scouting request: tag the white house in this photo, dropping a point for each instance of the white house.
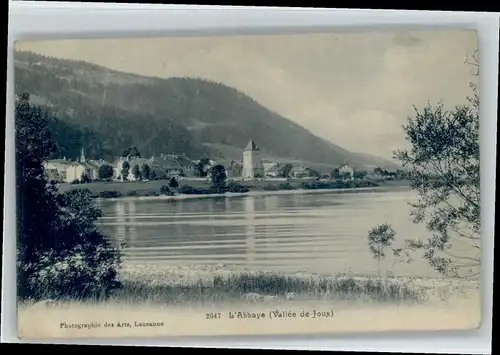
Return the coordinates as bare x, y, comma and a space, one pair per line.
252, 162
63, 170
56, 169
76, 170
346, 169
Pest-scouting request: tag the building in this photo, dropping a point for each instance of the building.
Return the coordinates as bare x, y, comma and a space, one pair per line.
55, 169
273, 170
346, 171
76, 170
252, 162
63, 170
299, 172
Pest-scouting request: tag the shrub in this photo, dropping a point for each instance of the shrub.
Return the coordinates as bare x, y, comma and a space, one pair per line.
110, 194
77, 273
187, 189
165, 190
173, 183
132, 193
236, 187
270, 187
75, 182
60, 251
286, 186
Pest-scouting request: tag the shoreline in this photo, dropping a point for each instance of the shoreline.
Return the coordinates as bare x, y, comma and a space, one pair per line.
220, 285
257, 193
451, 304
191, 274
153, 188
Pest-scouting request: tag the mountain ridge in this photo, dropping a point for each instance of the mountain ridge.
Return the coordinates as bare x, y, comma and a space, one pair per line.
191, 115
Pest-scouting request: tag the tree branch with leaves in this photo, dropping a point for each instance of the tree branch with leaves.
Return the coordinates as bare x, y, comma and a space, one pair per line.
444, 170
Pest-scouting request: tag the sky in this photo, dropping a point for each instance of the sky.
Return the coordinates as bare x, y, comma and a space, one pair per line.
353, 88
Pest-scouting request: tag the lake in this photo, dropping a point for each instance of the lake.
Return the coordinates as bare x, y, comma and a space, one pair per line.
321, 232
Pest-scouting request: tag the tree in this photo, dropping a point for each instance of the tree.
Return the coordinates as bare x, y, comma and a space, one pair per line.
237, 168
218, 175
444, 170
380, 238
336, 174
312, 172
379, 171
346, 176
84, 178
173, 183
60, 251
146, 172
105, 172
285, 171
125, 170
136, 171
152, 174
201, 167
360, 174
131, 152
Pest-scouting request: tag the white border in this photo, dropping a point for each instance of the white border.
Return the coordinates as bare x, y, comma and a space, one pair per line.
32, 20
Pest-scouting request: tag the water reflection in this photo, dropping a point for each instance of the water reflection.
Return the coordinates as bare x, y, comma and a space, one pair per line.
249, 204
132, 231
319, 233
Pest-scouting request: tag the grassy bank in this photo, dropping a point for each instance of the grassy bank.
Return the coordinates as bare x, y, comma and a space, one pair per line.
202, 187
196, 285
263, 287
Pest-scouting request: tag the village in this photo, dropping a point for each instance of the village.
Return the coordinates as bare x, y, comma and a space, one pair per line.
132, 167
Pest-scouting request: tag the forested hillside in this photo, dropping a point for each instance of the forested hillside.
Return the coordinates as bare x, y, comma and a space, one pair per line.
105, 112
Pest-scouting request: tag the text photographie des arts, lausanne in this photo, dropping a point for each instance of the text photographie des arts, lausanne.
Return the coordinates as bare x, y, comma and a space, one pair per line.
269, 184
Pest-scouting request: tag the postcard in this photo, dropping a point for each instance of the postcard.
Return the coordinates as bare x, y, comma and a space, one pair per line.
248, 185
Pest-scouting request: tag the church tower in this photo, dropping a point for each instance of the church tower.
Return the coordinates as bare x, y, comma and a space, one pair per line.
82, 156
252, 162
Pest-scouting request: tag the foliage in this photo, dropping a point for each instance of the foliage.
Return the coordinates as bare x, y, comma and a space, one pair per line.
165, 190
131, 152
285, 171
360, 174
125, 170
236, 187
347, 175
105, 172
173, 183
84, 178
312, 172
444, 170
380, 238
218, 175
110, 194
285, 186
335, 174
136, 171
339, 184
146, 172
201, 168
60, 252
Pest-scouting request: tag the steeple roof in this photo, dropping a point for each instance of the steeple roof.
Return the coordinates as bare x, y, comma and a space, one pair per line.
251, 145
